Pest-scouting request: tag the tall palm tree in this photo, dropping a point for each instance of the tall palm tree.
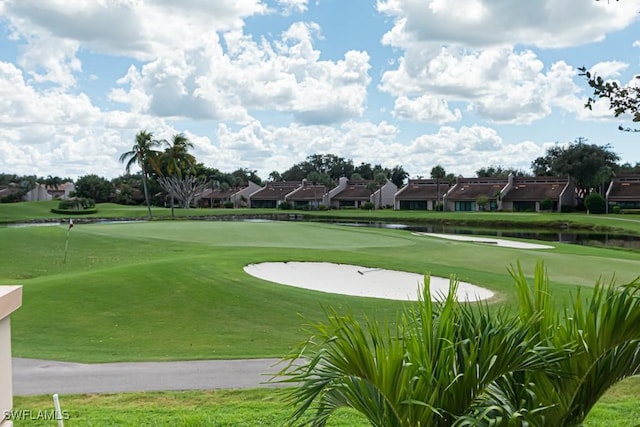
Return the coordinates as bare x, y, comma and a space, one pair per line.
176, 159
438, 173
142, 154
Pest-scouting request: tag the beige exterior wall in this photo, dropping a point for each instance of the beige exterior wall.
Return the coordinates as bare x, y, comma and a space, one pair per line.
10, 300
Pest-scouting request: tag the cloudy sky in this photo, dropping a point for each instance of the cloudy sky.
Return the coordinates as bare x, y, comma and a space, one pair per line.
262, 84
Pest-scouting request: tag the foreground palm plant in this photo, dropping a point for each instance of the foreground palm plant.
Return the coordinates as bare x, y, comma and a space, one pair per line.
605, 329
466, 364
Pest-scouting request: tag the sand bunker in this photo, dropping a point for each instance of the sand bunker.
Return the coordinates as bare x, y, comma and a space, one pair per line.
487, 241
359, 281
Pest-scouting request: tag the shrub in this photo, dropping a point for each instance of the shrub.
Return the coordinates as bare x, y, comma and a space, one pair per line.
76, 204
285, 206
615, 209
228, 205
546, 204
482, 202
367, 206
595, 203
566, 209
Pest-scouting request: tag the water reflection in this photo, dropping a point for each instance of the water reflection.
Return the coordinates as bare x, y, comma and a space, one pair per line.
613, 240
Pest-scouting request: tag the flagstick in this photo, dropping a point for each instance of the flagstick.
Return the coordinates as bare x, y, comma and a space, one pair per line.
66, 243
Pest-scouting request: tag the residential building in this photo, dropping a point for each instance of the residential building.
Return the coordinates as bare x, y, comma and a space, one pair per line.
272, 194
218, 197
307, 195
624, 191
355, 193
468, 194
528, 194
421, 194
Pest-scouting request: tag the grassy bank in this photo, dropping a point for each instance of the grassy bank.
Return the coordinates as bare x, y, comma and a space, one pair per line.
256, 407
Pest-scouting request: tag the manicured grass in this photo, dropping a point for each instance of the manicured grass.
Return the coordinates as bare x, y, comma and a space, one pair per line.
255, 407
171, 290
176, 290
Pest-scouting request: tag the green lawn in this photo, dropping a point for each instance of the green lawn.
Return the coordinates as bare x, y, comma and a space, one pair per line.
174, 290
256, 407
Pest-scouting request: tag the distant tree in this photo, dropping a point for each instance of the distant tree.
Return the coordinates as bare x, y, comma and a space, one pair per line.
482, 201
356, 177
244, 175
52, 182
142, 154
380, 179
398, 175
94, 187
275, 176
499, 172
185, 189
438, 173
595, 203
329, 164
364, 170
627, 168
579, 160
622, 99
176, 159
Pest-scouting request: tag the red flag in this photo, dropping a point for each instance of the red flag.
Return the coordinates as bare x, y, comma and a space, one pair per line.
70, 223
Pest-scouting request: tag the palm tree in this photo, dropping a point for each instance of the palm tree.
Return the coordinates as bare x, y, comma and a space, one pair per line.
176, 159
52, 182
435, 366
463, 364
381, 180
603, 329
143, 154
437, 173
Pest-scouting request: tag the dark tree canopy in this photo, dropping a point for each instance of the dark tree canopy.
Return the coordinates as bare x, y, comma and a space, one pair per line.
326, 164
497, 171
587, 164
94, 187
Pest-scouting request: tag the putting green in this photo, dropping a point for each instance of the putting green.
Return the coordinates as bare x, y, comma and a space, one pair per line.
171, 290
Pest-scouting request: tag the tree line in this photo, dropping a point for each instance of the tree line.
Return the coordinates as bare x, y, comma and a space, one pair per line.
166, 166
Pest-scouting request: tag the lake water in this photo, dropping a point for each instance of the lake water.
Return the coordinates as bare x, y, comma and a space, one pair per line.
614, 240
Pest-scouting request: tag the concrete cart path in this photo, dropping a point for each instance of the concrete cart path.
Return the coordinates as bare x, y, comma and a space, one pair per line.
34, 376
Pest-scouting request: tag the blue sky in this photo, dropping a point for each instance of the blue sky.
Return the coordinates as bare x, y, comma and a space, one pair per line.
263, 84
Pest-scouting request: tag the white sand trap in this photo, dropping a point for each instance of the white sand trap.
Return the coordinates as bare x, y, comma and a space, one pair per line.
487, 241
360, 281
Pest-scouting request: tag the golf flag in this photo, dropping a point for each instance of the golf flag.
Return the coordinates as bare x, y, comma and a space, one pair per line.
70, 223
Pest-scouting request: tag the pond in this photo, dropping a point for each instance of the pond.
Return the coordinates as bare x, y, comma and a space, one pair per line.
587, 238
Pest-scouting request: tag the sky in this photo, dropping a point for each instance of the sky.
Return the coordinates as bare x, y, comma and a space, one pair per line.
262, 84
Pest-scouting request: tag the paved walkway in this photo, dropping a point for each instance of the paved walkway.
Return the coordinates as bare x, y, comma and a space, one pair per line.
33, 376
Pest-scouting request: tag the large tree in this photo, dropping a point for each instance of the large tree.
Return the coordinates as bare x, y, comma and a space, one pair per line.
329, 164
142, 154
623, 99
584, 162
94, 187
